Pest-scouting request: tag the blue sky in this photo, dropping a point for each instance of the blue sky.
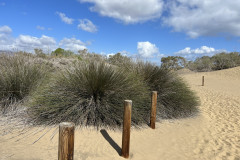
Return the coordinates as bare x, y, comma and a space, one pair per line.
147, 29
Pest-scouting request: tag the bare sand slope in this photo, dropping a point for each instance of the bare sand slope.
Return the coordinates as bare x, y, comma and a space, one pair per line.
214, 134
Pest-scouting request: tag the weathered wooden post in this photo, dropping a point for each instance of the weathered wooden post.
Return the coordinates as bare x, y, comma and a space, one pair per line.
126, 128
153, 110
202, 80
66, 141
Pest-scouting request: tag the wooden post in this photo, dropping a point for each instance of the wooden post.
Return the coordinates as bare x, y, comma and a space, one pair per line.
153, 110
202, 80
66, 141
126, 128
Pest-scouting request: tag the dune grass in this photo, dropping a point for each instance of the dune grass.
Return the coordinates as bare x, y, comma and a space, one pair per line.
90, 94
19, 75
175, 99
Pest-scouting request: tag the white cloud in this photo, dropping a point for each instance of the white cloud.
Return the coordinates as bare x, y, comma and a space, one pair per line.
87, 25
204, 17
72, 44
64, 18
5, 30
29, 43
202, 51
123, 53
40, 27
128, 11
5, 36
147, 49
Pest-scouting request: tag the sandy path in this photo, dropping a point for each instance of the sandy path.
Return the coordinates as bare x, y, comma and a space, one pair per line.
214, 134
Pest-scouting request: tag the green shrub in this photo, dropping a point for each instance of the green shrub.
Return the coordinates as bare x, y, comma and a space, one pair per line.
173, 62
19, 75
88, 57
225, 60
175, 99
202, 64
217, 62
119, 60
62, 53
39, 53
90, 94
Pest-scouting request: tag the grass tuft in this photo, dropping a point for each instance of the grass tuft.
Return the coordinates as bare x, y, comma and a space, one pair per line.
19, 75
90, 94
175, 99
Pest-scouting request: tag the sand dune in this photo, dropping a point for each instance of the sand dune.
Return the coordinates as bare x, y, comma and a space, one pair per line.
214, 134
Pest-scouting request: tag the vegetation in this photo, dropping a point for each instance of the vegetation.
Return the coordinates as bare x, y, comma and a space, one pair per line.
90, 94
175, 99
39, 53
174, 62
119, 60
61, 52
19, 75
217, 62
90, 88
203, 64
86, 56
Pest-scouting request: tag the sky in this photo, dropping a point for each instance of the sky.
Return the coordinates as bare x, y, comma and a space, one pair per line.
149, 29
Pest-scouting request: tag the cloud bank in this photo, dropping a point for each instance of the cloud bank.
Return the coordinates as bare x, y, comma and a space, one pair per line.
202, 51
194, 18
126, 11
29, 43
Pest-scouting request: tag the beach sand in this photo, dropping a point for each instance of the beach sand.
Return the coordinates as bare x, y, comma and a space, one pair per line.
213, 134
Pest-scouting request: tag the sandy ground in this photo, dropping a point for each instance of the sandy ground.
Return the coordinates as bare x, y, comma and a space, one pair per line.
214, 134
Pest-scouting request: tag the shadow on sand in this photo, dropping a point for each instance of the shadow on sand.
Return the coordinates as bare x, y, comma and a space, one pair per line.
111, 141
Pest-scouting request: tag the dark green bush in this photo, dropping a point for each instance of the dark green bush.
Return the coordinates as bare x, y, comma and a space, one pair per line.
225, 60
202, 64
217, 62
119, 60
90, 94
175, 99
62, 53
19, 75
173, 62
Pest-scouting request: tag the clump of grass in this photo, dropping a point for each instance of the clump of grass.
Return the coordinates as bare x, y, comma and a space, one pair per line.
175, 99
19, 75
90, 94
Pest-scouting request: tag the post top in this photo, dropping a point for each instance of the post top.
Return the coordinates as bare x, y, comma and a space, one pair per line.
154, 91
128, 101
67, 124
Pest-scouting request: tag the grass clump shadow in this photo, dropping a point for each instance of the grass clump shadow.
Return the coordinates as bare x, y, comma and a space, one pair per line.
90, 94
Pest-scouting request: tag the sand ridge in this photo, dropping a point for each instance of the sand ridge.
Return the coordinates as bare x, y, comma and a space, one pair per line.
213, 134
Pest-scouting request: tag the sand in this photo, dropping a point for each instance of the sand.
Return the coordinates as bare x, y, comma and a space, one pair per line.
213, 134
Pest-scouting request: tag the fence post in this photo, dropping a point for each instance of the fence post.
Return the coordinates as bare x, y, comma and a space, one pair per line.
202, 80
126, 128
153, 109
66, 141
